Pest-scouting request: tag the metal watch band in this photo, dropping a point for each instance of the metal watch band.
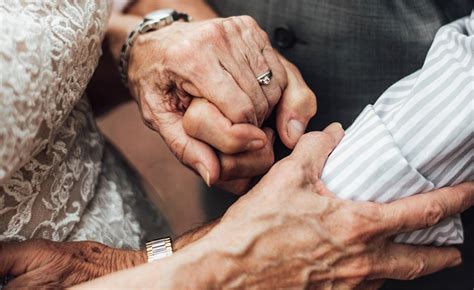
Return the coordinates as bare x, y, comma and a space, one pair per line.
159, 249
148, 24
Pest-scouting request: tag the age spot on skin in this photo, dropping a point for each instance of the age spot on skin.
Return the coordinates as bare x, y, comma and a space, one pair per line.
96, 250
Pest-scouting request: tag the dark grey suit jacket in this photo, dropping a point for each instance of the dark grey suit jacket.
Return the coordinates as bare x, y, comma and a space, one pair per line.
349, 52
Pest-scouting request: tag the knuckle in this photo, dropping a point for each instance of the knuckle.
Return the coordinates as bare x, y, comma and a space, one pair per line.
309, 137
256, 59
248, 21
306, 99
172, 54
192, 120
232, 23
246, 114
353, 232
229, 166
292, 169
309, 97
433, 213
363, 267
358, 224
326, 139
185, 51
269, 157
213, 30
262, 110
266, 38
284, 165
178, 148
147, 118
273, 96
418, 269
321, 137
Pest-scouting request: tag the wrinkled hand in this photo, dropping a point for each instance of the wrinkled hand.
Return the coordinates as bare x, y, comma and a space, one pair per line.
46, 264
217, 60
204, 121
289, 231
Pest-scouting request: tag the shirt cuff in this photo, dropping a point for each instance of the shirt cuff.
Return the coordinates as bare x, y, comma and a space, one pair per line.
368, 165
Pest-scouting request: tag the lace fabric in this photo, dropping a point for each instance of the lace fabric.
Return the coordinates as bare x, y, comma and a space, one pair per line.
119, 214
51, 152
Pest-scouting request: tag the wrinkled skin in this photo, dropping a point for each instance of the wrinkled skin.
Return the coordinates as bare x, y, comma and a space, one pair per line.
298, 235
205, 72
46, 264
43, 263
289, 231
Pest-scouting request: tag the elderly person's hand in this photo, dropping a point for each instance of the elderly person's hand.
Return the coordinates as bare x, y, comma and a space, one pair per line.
42, 263
218, 60
297, 234
47, 264
204, 121
289, 232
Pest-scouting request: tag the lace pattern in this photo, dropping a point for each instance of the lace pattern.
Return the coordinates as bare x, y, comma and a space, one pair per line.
50, 148
119, 214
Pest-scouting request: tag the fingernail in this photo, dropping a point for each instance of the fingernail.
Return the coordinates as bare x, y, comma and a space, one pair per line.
204, 173
255, 145
295, 129
457, 261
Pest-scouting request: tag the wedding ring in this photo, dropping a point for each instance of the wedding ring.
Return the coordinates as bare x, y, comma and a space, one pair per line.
265, 78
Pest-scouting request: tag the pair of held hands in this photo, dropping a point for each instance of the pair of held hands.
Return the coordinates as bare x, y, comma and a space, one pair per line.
195, 84
289, 231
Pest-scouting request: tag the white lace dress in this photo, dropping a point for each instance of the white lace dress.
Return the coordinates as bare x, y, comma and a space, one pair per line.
58, 178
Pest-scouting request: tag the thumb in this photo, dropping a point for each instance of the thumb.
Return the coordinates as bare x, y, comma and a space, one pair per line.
296, 107
191, 152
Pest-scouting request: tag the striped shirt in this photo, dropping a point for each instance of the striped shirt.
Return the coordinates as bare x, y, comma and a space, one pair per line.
417, 137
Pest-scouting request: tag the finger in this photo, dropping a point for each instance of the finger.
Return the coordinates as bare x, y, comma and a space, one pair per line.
205, 122
238, 58
296, 107
236, 186
206, 77
314, 147
408, 262
191, 152
263, 58
370, 285
35, 279
426, 209
250, 163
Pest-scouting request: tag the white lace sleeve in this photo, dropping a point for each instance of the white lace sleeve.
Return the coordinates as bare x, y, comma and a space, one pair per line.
45, 64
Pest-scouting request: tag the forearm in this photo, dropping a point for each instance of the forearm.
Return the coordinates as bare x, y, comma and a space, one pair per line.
199, 266
121, 24
193, 235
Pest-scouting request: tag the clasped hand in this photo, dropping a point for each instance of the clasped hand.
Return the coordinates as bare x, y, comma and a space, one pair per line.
196, 84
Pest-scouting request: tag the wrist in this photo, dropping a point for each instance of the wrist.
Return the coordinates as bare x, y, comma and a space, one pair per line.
120, 26
124, 259
205, 264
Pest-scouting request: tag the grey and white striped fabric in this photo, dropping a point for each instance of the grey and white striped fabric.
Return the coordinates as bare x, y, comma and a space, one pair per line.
417, 137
